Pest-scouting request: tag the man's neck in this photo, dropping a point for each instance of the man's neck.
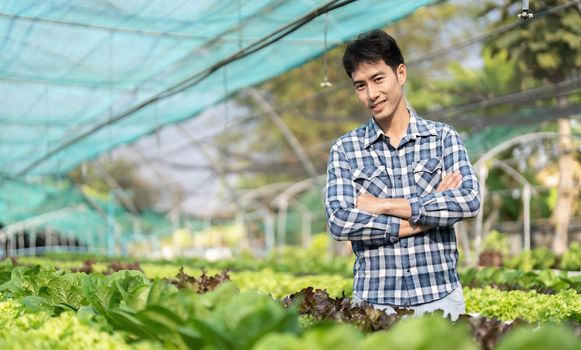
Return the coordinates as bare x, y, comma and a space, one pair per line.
396, 126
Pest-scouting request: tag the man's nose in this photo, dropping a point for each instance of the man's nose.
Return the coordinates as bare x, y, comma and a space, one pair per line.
372, 92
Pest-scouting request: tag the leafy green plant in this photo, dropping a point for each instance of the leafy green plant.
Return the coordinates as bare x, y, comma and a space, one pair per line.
320, 337
428, 333
20, 329
495, 241
528, 305
128, 310
524, 261
546, 337
543, 258
545, 281
571, 259
540, 258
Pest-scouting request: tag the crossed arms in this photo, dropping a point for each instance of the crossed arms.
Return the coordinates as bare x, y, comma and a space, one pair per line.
401, 208
378, 221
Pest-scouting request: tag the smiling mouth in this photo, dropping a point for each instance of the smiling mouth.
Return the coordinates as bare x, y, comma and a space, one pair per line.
378, 105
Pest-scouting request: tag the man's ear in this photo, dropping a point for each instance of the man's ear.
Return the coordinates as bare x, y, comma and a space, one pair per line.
401, 73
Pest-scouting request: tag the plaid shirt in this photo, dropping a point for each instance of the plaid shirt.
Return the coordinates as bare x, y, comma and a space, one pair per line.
390, 270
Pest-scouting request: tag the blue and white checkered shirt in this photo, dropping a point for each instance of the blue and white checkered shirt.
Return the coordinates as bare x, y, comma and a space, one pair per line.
391, 270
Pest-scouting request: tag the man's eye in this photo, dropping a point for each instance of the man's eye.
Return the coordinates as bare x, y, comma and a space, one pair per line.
359, 87
379, 79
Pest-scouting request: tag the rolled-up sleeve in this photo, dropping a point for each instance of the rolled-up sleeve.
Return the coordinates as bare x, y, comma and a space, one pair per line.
448, 207
345, 221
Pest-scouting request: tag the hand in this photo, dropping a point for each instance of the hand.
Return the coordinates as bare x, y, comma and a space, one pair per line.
370, 204
450, 181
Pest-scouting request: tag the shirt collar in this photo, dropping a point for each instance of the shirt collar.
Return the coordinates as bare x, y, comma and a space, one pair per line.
373, 132
417, 127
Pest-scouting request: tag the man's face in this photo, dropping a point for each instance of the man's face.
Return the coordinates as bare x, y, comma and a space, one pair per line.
379, 88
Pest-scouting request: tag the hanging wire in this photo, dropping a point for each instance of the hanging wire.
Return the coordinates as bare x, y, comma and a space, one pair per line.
157, 126
190, 81
226, 98
326, 83
259, 44
110, 74
240, 31
47, 112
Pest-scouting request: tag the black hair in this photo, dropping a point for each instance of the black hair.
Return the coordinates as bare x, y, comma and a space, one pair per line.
372, 46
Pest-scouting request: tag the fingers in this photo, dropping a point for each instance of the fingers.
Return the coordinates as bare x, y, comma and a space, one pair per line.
445, 183
362, 198
456, 179
450, 181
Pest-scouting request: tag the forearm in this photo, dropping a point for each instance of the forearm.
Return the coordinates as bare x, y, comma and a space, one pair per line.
436, 209
351, 224
399, 207
407, 229
445, 208
390, 209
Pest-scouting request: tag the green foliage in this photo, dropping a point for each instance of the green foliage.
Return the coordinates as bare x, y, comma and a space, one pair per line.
545, 281
544, 258
5, 270
437, 333
524, 261
546, 337
529, 305
340, 337
39, 330
316, 259
43, 288
427, 333
52, 309
495, 241
128, 301
538, 258
571, 259
237, 321
319, 115
279, 284
546, 48
101, 179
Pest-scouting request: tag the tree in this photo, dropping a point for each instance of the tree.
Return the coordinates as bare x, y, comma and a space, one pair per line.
317, 115
119, 174
548, 49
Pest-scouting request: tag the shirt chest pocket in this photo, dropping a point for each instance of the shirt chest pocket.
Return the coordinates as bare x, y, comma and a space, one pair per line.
372, 180
427, 175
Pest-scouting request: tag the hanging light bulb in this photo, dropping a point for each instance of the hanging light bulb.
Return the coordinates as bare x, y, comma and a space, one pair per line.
325, 83
525, 13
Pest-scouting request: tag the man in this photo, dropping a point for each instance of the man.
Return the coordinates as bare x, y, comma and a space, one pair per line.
395, 187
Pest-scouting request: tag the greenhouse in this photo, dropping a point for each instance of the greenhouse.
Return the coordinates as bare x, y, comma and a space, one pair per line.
205, 175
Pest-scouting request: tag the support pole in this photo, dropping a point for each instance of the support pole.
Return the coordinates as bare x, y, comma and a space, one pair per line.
526, 198
482, 174
282, 218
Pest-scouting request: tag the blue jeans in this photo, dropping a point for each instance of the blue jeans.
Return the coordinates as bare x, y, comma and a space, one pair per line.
452, 304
